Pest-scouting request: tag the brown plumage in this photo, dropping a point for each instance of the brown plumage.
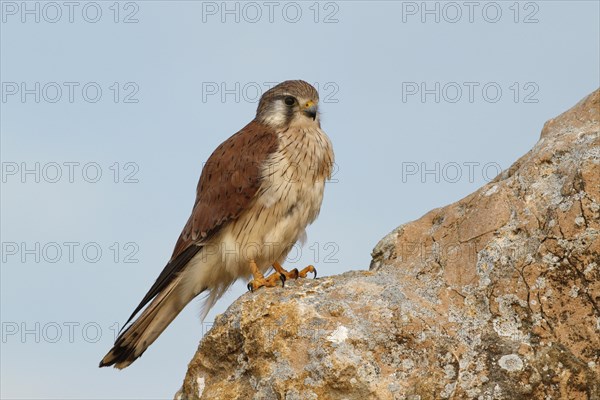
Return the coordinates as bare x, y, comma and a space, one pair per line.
260, 187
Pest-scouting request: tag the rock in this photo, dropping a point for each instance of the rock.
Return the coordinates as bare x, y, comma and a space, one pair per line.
496, 296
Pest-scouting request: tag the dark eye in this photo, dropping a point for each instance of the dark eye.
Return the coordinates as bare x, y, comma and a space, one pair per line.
290, 100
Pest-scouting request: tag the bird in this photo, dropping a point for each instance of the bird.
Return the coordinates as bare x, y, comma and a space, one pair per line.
257, 193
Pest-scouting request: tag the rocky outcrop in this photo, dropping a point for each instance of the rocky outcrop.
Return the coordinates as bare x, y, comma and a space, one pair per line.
496, 296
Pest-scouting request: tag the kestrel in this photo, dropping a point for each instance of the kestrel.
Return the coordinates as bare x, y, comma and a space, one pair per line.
257, 193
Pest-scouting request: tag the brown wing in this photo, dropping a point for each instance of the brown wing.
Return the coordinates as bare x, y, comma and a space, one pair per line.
228, 183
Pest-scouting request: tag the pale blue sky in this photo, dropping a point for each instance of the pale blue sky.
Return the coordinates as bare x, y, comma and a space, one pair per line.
371, 60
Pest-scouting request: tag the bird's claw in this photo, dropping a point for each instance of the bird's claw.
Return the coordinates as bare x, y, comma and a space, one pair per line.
306, 270
283, 276
270, 281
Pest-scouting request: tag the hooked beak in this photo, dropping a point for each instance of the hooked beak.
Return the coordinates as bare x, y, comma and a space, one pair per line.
310, 109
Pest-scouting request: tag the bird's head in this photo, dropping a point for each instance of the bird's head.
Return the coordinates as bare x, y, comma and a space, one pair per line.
289, 103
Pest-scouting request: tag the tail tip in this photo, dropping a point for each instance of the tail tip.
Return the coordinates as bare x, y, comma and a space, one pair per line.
106, 361
119, 360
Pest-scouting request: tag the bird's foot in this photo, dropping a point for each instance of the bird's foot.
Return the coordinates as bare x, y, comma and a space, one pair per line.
310, 268
294, 274
270, 281
260, 281
280, 274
